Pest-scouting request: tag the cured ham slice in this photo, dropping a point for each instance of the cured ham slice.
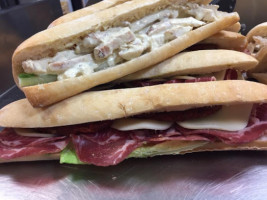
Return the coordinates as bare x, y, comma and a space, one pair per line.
104, 148
13, 145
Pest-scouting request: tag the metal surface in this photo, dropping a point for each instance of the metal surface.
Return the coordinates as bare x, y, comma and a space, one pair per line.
198, 176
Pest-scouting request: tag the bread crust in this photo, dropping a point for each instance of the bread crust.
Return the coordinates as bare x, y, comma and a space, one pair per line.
196, 62
86, 11
102, 5
234, 28
260, 29
261, 55
57, 38
228, 40
54, 156
219, 146
114, 104
261, 77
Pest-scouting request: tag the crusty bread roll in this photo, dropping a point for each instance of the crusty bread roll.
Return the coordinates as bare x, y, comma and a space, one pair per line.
196, 62
261, 53
114, 104
234, 28
64, 36
43, 157
261, 77
227, 40
86, 11
104, 4
260, 29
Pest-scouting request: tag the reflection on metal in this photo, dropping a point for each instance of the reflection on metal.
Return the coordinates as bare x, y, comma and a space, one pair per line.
200, 176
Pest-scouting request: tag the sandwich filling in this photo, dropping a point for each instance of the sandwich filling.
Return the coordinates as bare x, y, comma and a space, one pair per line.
110, 142
111, 46
258, 43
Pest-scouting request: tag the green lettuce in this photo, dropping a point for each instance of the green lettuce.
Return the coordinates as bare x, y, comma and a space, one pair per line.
68, 155
32, 79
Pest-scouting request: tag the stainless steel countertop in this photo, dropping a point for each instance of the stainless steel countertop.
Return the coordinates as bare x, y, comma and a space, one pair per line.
199, 176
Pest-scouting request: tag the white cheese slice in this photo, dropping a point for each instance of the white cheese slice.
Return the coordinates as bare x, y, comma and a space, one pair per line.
229, 118
31, 133
135, 124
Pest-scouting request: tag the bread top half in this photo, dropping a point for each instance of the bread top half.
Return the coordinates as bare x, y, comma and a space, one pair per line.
120, 103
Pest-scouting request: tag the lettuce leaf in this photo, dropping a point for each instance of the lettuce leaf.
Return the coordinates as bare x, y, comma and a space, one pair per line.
68, 155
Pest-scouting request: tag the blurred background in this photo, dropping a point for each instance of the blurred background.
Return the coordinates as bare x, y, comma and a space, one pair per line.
19, 19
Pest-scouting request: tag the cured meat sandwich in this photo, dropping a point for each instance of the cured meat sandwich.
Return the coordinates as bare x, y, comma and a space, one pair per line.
257, 38
106, 127
70, 58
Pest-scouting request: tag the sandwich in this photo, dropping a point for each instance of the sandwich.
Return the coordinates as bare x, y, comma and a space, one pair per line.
257, 38
192, 66
104, 128
75, 56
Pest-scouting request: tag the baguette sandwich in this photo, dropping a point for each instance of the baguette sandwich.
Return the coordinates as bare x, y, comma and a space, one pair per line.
192, 66
257, 38
70, 58
226, 39
104, 128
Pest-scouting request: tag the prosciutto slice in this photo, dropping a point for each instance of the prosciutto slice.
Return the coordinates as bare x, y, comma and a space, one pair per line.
13, 145
104, 148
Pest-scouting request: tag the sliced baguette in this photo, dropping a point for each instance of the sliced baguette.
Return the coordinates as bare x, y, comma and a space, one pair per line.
261, 55
102, 5
114, 104
227, 40
66, 35
261, 77
196, 62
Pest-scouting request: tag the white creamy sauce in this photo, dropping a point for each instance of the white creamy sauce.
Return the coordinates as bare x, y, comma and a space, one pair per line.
229, 118
135, 124
103, 49
205, 12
